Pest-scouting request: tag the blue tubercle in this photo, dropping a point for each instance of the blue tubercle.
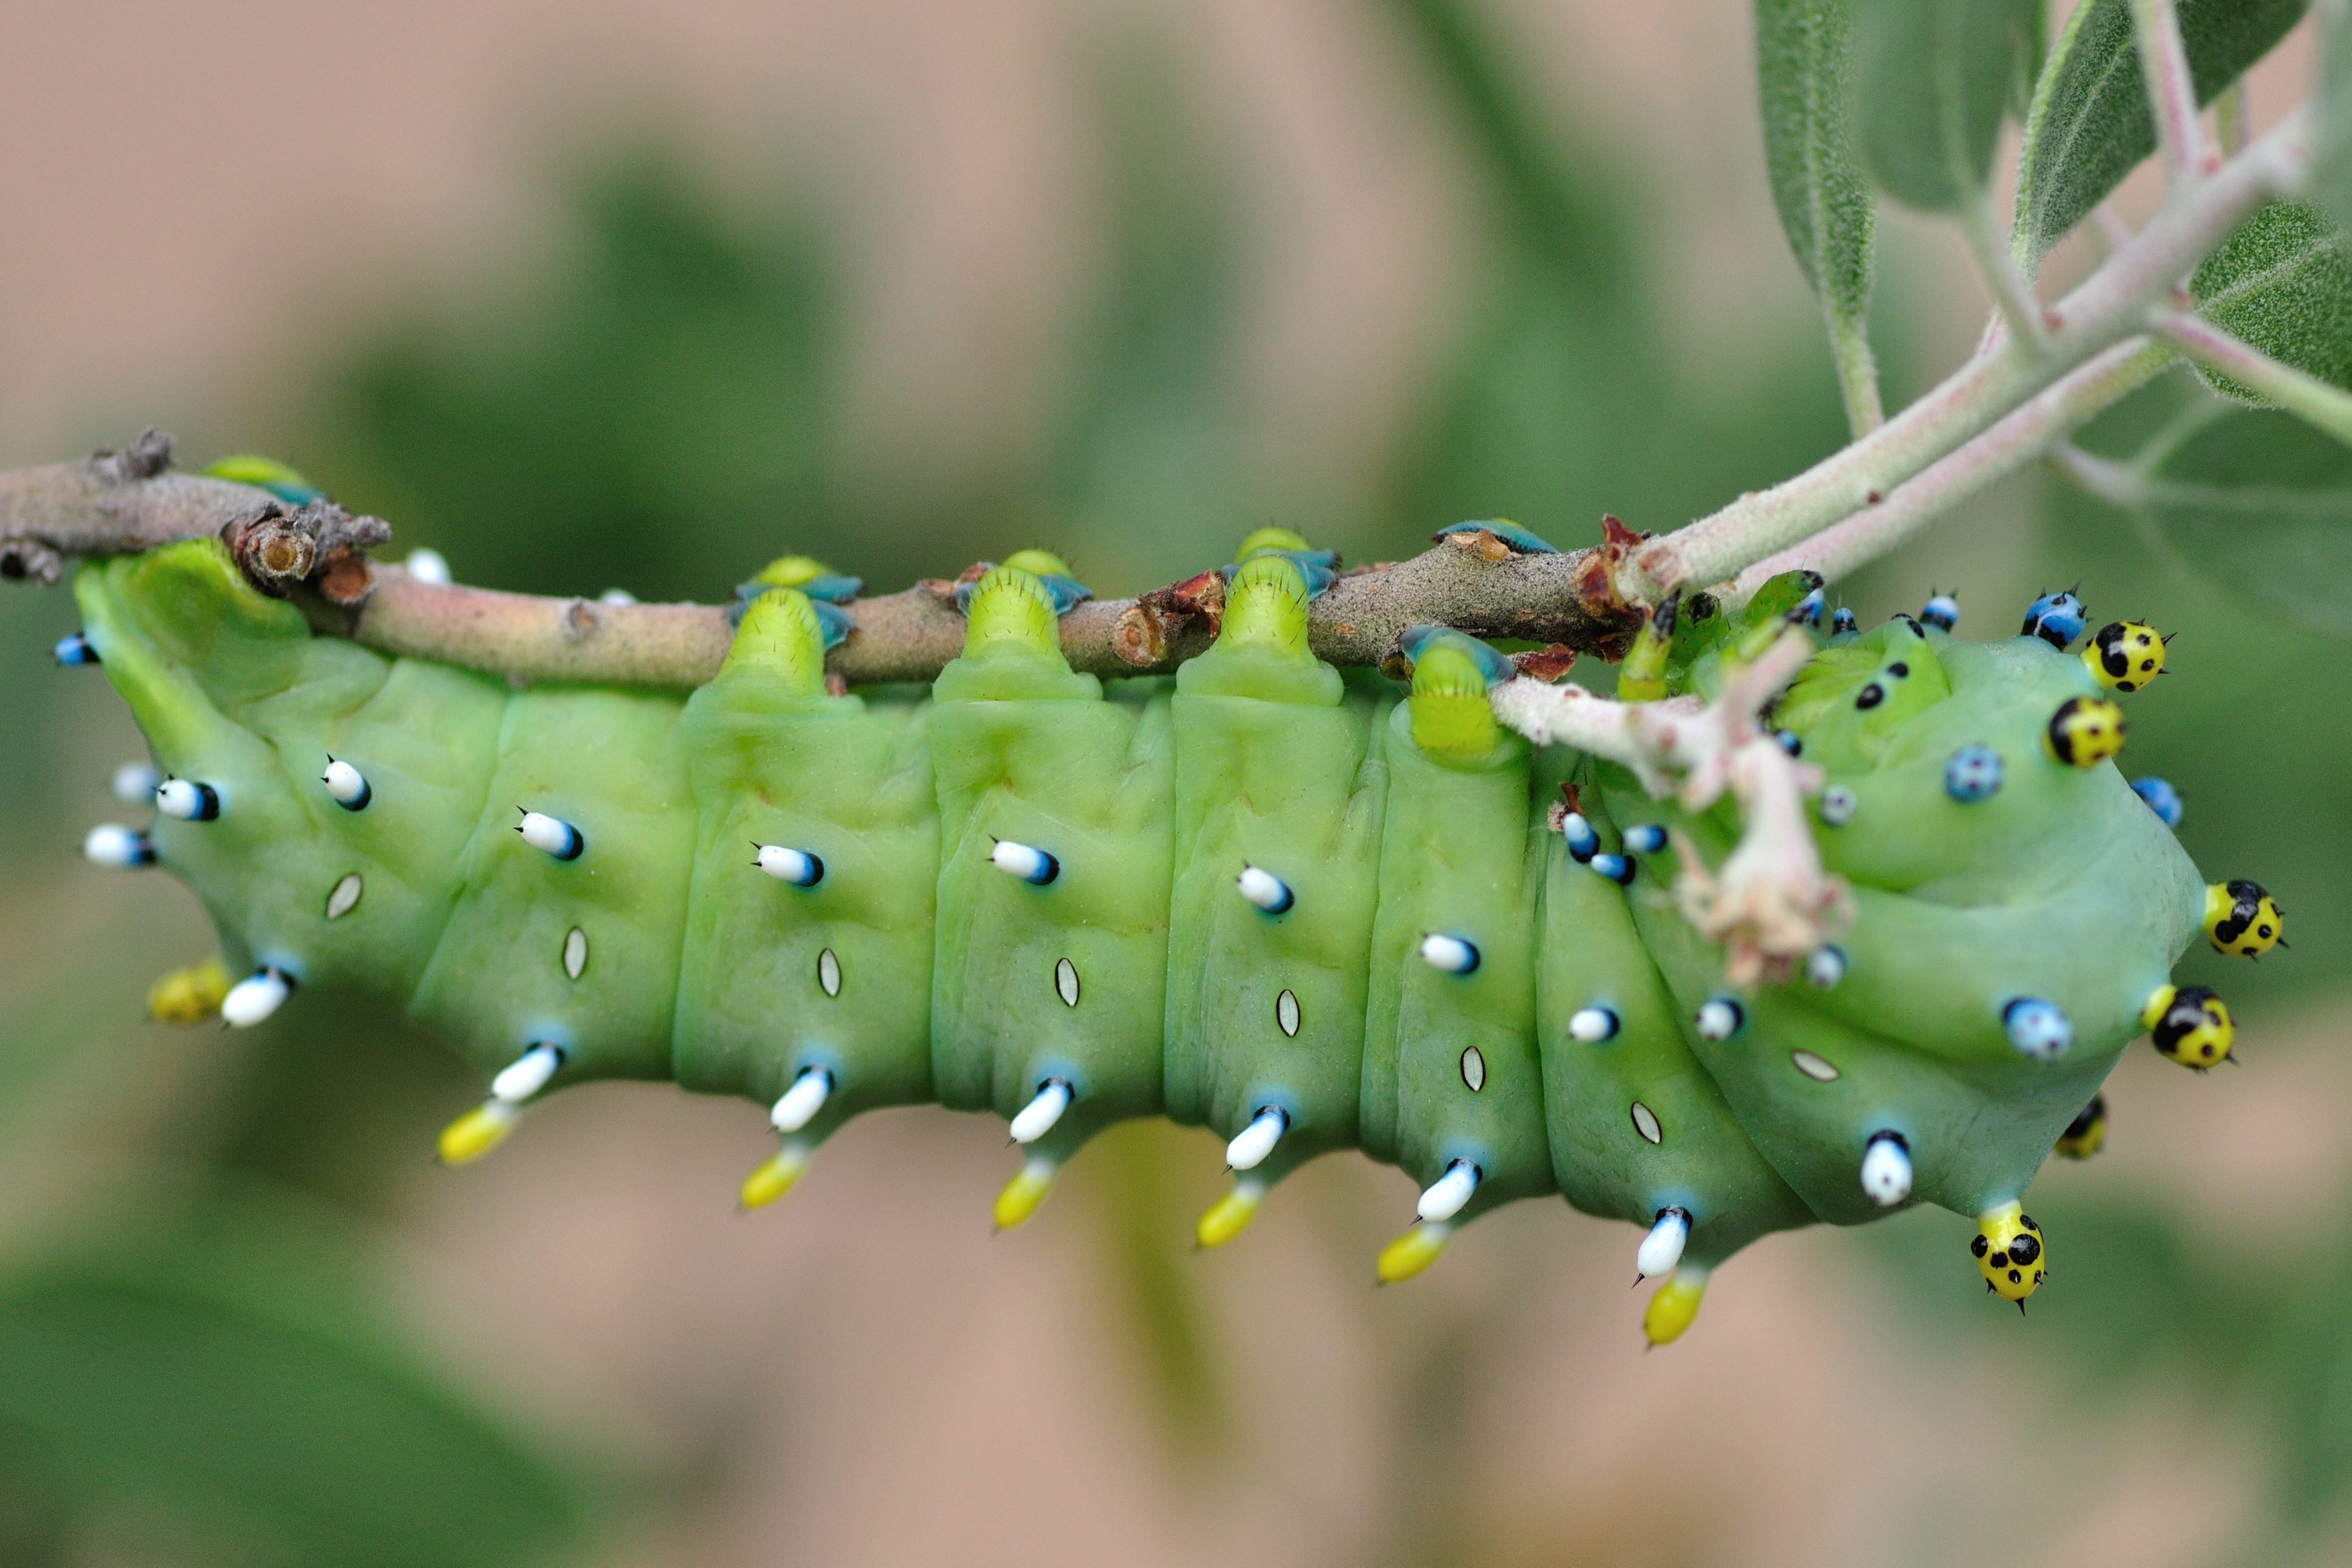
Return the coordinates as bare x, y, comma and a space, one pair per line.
1520, 540
2056, 618
1973, 775
2162, 799
1842, 623
1942, 611
75, 648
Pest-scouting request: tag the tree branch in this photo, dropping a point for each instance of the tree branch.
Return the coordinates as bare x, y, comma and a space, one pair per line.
2106, 306
99, 506
2029, 433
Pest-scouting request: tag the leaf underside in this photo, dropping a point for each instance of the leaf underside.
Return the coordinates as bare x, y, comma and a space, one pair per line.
2283, 283
2090, 124
1804, 55
1933, 79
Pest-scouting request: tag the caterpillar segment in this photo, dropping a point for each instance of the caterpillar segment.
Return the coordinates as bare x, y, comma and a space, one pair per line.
1306, 911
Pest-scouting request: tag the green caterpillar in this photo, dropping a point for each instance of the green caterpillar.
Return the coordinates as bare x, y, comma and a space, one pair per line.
1307, 908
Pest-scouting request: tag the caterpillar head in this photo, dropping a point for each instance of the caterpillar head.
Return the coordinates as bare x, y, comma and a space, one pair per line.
2189, 1025
2085, 732
2125, 656
2009, 1254
2241, 917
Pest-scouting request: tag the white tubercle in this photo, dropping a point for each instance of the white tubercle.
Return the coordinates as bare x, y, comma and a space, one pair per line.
427, 566
1024, 861
1037, 1117
617, 596
1263, 888
1886, 1170
799, 1105
133, 783
1450, 954
1253, 1144
1592, 1024
1447, 1195
527, 1074
255, 997
1720, 1019
1662, 1248
550, 834
798, 866
111, 843
346, 785
187, 800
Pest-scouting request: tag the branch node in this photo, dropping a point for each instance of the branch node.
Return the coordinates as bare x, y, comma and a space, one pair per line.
147, 454
29, 560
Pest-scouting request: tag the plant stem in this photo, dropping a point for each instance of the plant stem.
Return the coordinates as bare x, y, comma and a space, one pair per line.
2116, 483
1857, 372
2002, 278
2024, 434
2319, 403
2234, 118
2106, 306
2171, 90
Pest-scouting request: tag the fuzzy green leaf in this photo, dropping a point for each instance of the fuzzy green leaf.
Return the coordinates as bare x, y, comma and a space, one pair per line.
2261, 502
1932, 79
2090, 124
2283, 282
1804, 67
2332, 174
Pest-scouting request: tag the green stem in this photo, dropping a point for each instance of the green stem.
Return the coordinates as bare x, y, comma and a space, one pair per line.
2309, 398
1857, 372
1988, 243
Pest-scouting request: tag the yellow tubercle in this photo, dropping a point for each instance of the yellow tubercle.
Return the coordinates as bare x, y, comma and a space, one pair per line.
1229, 1216
2242, 917
775, 1177
1450, 715
2009, 1253
2124, 656
1010, 607
2188, 1024
1024, 1193
477, 1132
1263, 540
1674, 1306
2085, 732
780, 637
1037, 563
1413, 1251
188, 995
1265, 606
792, 571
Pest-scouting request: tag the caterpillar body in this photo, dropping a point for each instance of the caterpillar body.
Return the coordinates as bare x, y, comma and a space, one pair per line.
1308, 910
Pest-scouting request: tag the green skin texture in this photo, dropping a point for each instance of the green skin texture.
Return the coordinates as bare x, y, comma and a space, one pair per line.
2063, 885
1275, 767
1024, 749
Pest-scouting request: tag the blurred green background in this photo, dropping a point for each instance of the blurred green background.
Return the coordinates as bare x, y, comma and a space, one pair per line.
243, 1320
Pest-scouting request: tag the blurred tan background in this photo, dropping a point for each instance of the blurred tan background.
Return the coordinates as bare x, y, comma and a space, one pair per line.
587, 295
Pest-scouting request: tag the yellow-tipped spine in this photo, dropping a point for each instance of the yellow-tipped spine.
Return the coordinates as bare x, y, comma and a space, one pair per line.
1674, 1306
1265, 606
1229, 1216
780, 638
1024, 1193
775, 1176
1413, 1251
477, 1132
188, 995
